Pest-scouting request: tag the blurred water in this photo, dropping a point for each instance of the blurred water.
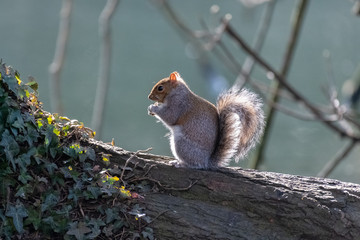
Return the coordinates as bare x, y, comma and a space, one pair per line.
147, 48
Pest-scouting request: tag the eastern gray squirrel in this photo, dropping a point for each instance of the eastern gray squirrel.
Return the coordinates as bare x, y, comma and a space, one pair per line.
204, 135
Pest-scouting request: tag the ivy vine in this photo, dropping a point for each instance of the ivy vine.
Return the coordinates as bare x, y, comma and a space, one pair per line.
51, 185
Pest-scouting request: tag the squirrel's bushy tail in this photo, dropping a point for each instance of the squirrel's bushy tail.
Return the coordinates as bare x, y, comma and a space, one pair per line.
241, 122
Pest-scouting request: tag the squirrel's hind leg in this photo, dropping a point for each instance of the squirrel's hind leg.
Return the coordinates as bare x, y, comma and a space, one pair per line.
194, 158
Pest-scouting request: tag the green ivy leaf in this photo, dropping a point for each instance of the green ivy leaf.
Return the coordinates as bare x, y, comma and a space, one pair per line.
111, 215
96, 222
58, 179
24, 159
24, 177
95, 232
96, 225
22, 93
34, 218
11, 81
54, 151
15, 119
71, 152
5, 180
74, 194
78, 230
53, 223
32, 134
2, 216
74, 151
50, 167
148, 233
18, 213
51, 140
21, 193
90, 153
95, 191
65, 210
11, 147
33, 85
108, 230
50, 201
82, 157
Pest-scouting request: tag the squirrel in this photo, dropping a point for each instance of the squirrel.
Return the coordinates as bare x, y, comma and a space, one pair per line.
204, 135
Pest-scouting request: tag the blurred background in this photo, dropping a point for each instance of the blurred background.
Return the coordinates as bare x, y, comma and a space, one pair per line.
147, 47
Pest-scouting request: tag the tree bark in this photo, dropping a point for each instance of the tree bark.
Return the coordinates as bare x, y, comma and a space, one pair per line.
235, 203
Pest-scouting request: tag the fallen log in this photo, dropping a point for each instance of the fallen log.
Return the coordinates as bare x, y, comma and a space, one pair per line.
235, 203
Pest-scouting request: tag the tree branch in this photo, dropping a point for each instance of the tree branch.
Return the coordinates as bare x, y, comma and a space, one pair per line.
331, 165
262, 30
104, 67
59, 56
289, 53
297, 96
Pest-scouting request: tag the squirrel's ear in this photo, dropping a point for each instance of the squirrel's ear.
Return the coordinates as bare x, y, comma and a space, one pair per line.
174, 76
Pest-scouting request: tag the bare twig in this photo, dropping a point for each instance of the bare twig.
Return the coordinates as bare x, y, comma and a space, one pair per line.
249, 63
302, 116
297, 96
152, 220
356, 8
129, 159
330, 166
331, 91
104, 67
290, 49
58, 61
186, 32
81, 210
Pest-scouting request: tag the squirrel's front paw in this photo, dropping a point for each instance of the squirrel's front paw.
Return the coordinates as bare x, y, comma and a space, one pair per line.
152, 109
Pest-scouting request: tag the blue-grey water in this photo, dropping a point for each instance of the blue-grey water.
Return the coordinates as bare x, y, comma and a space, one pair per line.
147, 48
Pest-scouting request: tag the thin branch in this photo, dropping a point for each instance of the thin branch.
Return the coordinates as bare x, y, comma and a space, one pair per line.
297, 96
289, 53
301, 116
129, 159
59, 56
214, 38
262, 30
104, 67
356, 8
330, 166
228, 54
176, 20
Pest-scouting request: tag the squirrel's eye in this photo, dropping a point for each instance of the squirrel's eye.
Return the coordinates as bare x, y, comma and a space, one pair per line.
160, 88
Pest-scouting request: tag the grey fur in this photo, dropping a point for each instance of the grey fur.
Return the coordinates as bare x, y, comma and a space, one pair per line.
241, 121
203, 136
193, 141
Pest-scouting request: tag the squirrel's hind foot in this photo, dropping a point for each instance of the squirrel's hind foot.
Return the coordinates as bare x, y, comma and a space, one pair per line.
177, 164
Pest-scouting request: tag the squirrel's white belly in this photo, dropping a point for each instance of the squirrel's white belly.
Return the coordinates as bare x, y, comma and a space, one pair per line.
176, 132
